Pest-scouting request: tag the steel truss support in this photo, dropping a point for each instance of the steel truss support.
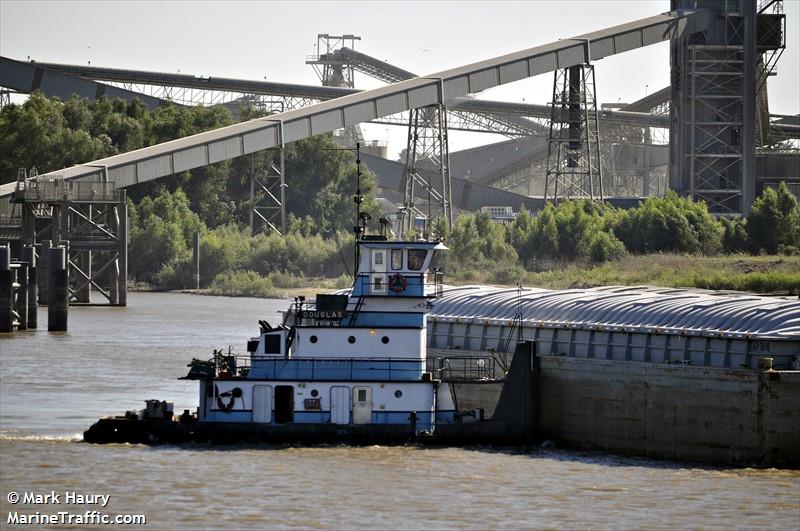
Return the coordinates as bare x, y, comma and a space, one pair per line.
716, 78
427, 144
5, 97
97, 236
512, 126
573, 151
268, 199
91, 219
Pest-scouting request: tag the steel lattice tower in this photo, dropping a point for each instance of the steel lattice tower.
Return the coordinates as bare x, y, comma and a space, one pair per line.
427, 146
573, 150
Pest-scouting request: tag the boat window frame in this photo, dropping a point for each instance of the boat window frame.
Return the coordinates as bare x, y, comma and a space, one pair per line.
396, 266
424, 254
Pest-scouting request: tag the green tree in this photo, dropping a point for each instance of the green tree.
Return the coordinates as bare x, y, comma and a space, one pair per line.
774, 221
669, 224
161, 234
543, 240
734, 236
37, 133
322, 183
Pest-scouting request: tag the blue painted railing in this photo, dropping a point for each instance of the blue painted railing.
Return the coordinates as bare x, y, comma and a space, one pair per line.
382, 369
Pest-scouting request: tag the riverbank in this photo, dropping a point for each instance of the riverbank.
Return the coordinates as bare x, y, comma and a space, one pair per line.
758, 274
771, 275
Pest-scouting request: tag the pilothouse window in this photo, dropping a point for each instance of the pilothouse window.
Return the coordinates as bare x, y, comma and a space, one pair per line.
416, 257
272, 344
397, 259
378, 256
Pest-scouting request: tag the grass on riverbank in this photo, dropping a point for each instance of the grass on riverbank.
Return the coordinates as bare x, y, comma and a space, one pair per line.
275, 286
758, 274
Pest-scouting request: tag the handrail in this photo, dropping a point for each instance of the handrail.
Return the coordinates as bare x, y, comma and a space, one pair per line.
442, 368
467, 369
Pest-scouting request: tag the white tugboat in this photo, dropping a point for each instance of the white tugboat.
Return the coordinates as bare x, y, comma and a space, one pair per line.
354, 365
348, 368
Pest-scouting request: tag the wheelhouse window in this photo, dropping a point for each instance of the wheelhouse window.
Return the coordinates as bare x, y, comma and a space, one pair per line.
378, 257
416, 257
272, 344
397, 259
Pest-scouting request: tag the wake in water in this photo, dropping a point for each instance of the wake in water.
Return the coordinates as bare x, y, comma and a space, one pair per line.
15, 435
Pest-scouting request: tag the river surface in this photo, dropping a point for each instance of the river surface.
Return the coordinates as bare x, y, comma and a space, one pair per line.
54, 385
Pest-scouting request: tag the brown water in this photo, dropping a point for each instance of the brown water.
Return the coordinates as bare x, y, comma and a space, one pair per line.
53, 386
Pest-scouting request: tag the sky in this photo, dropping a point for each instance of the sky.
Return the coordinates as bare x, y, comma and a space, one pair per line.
258, 40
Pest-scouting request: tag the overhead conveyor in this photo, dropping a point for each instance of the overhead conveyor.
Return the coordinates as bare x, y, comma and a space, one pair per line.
464, 110
249, 86
264, 133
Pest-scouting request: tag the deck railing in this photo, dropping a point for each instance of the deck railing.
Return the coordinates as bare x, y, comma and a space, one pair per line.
446, 369
466, 368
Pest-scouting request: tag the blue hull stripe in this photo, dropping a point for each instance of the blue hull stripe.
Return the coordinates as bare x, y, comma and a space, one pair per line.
324, 417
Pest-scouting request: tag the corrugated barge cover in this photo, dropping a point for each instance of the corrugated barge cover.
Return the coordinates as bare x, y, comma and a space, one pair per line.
632, 309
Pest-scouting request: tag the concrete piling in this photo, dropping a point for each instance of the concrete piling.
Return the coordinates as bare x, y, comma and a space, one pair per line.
43, 273
58, 289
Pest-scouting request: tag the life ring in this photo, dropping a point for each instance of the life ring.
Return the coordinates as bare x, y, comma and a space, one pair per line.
398, 283
233, 394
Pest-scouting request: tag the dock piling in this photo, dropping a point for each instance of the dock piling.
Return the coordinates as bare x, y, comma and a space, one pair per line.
22, 295
29, 256
6, 290
58, 300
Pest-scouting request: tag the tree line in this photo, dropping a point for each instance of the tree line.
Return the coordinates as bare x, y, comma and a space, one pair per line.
591, 233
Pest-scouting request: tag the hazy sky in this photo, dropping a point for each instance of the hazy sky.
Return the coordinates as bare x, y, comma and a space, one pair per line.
254, 40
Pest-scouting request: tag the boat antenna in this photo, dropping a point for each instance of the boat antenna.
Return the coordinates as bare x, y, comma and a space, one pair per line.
358, 199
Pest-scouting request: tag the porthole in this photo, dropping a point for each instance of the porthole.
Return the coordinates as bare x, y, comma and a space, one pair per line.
313, 339
351, 339
385, 340
398, 393
314, 393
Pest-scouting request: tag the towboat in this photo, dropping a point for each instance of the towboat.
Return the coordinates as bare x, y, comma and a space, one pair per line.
343, 368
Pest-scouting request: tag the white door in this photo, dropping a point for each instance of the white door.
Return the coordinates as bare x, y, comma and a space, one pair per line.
340, 405
362, 405
262, 404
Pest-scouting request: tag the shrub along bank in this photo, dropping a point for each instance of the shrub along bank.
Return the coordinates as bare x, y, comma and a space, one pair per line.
668, 241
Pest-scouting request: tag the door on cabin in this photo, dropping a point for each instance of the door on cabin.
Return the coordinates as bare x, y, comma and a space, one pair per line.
262, 404
284, 404
340, 405
362, 405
